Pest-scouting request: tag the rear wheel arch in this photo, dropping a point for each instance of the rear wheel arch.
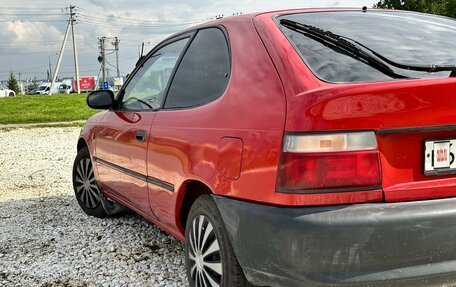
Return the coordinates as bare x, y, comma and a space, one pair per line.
188, 193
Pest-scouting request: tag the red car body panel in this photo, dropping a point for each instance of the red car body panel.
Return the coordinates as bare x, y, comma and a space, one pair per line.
233, 144
116, 143
185, 143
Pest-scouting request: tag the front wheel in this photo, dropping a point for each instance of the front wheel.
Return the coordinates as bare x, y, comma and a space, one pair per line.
210, 258
87, 193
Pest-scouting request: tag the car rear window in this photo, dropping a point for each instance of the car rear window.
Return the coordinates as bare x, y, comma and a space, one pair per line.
404, 37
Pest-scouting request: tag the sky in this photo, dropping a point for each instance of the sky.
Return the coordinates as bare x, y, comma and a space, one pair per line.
31, 31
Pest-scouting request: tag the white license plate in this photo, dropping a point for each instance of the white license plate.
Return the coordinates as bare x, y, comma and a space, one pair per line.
439, 157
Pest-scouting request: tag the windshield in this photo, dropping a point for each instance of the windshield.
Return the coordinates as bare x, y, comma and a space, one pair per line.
404, 37
42, 88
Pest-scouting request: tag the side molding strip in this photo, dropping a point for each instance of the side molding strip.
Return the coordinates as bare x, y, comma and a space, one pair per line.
160, 183
137, 175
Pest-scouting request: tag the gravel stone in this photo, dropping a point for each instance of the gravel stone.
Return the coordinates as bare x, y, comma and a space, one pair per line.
46, 240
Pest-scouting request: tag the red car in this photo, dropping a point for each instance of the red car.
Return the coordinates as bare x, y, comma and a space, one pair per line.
289, 148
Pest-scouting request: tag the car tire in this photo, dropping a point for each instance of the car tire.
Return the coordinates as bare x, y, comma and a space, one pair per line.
88, 194
11, 94
208, 251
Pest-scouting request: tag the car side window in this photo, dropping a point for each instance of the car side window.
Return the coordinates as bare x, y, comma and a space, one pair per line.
203, 74
146, 89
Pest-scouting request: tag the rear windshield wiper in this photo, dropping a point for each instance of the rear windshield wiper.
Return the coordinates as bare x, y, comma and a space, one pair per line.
355, 48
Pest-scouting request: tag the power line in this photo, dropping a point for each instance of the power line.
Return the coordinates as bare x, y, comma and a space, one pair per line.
53, 45
37, 50
127, 26
115, 17
138, 22
34, 21
32, 14
30, 8
84, 17
107, 62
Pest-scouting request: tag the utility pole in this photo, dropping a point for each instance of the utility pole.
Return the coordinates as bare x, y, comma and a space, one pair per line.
20, 84
75, 52
116, 47
102, 57
60, 58
49, 71
50, 67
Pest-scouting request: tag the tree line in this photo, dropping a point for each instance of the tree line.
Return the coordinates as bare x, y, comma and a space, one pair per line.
438, 7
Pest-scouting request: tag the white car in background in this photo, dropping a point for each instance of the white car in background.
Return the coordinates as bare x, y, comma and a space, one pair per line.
6, 93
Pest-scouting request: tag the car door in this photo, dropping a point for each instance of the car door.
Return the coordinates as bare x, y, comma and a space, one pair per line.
122, 140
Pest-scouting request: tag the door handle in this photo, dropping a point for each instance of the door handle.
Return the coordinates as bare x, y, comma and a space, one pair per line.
141, 135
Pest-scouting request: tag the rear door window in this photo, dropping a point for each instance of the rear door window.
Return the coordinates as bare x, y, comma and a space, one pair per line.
203, 74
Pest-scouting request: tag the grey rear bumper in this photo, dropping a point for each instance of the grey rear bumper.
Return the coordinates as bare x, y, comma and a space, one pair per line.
385, 244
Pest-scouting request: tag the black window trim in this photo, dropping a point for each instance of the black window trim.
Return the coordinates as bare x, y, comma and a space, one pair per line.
118, 100
186, 34
227, 41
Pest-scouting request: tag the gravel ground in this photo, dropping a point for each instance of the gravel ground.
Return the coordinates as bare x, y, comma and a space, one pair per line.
46, 239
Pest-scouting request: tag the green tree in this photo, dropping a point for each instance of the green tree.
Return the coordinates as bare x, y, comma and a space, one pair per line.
439, 7
33, 86
12, 83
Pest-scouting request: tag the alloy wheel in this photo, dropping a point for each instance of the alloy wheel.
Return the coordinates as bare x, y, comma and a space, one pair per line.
86, 188
204, 253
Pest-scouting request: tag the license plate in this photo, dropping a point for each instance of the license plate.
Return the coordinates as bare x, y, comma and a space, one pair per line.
439, 157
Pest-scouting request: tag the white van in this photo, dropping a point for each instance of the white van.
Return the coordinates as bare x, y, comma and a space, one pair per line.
44, 88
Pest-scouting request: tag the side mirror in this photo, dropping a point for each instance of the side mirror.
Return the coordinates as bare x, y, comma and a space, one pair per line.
102, 99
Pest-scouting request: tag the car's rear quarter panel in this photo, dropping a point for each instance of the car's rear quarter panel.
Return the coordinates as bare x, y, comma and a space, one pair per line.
185, 143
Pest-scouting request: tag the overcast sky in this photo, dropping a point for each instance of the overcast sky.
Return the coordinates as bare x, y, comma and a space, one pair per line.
31, 31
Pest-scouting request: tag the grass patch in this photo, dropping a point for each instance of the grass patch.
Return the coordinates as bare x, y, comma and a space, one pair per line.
44, 108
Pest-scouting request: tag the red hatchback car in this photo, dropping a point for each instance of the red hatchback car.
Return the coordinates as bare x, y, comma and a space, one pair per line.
289, 148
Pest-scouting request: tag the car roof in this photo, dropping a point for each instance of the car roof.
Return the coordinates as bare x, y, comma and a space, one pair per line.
267, 14
272, 13
289, 11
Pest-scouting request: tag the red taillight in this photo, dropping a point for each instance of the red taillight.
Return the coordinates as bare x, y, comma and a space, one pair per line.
327, 163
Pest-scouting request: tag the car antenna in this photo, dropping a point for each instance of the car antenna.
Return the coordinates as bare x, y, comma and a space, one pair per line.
364, 9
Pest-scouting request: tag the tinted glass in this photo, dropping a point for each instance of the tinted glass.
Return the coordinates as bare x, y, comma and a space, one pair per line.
203, 73
404, 37
146, 89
